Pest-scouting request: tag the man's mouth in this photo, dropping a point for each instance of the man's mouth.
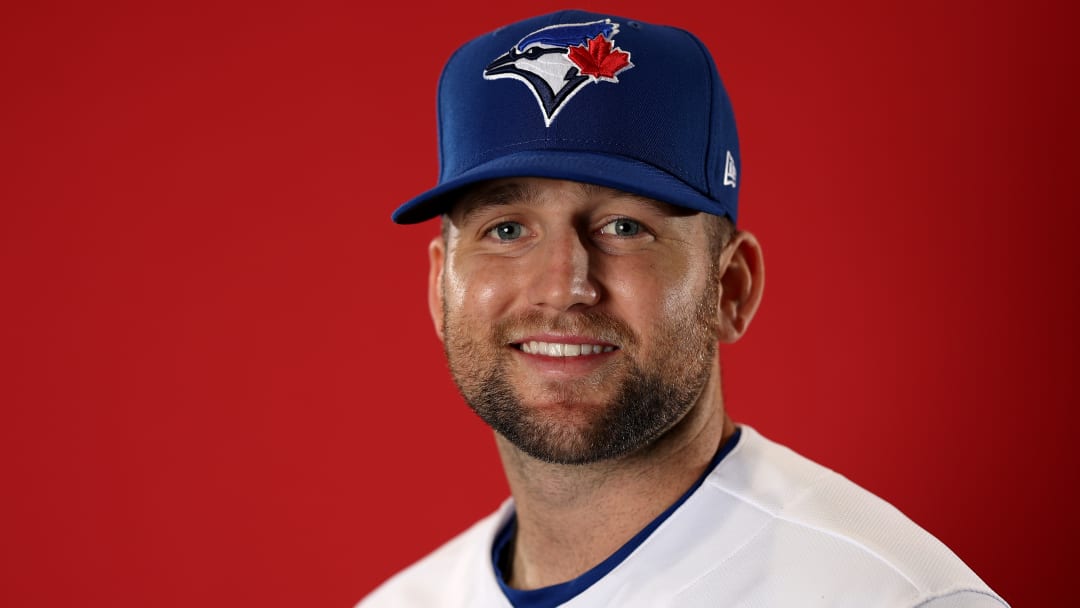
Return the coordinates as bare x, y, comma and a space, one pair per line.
559, 349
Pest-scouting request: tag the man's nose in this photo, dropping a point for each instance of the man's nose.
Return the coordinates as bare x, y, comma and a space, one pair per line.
562, 272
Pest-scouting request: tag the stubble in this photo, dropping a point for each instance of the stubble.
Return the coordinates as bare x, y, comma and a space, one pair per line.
653, 392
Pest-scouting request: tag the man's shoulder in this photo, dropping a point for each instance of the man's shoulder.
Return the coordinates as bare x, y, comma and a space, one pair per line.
767, 527
457, 569
792, 490
811, 525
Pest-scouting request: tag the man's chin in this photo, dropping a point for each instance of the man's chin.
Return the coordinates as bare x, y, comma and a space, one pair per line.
588, 394
566, 418
559, 446
561, 432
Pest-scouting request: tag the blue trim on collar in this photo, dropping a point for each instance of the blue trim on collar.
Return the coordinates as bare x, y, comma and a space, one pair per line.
555, 595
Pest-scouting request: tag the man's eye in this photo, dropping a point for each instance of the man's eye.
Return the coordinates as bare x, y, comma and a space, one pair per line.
621, 227
508, 231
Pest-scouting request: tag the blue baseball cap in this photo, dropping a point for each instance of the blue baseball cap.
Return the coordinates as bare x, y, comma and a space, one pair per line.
586, 97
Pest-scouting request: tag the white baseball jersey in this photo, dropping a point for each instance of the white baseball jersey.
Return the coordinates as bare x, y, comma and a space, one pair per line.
765, 528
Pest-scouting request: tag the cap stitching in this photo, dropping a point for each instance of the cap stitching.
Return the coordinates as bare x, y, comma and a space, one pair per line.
439, 108
487, 155
706, 160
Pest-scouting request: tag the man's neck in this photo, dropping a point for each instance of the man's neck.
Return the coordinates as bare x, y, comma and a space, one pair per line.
572, 517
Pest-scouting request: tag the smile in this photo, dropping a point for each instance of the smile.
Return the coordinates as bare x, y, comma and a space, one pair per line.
557, 349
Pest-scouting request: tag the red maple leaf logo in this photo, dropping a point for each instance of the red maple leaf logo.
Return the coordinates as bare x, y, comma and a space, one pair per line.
600, 60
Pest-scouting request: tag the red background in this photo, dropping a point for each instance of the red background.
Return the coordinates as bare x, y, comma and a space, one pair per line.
219, 382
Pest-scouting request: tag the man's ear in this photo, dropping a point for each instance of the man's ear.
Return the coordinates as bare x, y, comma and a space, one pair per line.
741, 284
436, 258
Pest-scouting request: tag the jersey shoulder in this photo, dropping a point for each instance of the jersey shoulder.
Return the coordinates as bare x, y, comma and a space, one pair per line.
456, 574
818, 531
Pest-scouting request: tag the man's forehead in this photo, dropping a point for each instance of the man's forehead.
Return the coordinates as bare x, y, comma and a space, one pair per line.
526, 190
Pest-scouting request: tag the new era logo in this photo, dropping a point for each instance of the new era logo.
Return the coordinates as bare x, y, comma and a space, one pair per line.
729, 171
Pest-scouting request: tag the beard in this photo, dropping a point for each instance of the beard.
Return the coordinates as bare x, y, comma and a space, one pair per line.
649, 395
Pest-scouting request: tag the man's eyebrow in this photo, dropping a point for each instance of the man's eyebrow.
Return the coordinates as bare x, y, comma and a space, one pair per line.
501, 194
508, 193
656, 205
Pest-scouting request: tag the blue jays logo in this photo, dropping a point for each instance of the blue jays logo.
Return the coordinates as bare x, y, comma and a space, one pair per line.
556, 62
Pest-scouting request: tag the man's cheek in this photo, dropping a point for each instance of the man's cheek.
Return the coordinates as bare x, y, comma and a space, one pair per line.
455, 287
483, 289
484, 297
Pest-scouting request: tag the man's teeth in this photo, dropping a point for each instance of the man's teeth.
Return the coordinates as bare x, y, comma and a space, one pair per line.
556, 349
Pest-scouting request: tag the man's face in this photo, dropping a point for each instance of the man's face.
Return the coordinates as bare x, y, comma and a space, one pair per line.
579, 322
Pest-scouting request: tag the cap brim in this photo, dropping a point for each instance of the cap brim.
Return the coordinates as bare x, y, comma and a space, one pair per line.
620, 173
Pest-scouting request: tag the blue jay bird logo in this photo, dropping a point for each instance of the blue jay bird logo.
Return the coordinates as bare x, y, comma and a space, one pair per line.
557, 61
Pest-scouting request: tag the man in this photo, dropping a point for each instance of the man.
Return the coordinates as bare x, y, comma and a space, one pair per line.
587, 269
